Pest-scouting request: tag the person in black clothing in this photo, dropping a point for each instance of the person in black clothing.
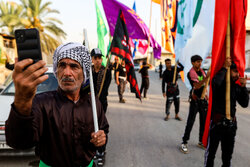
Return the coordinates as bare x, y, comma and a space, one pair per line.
197, 79
222, 129
172, 92
145, 78
160, 70
121, 80
98, 74
58, 123
115, 66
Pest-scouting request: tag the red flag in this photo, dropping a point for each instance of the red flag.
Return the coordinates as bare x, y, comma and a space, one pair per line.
142, 46
120, 46
238, 11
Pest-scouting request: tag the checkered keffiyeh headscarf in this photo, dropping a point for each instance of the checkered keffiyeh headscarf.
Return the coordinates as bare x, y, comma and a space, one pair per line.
74, 51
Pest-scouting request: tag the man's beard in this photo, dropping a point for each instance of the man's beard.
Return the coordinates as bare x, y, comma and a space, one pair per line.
67, 90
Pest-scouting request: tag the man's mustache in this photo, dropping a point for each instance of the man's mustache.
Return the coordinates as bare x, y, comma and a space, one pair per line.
66, 79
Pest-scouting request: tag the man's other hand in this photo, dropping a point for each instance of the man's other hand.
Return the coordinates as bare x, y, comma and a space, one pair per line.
98, 138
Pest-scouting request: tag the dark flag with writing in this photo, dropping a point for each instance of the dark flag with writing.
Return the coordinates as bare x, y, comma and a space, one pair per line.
121, 48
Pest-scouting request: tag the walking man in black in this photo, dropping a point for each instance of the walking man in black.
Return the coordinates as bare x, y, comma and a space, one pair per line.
144, 78
160, 70
115, 66
222, 129
121, 80
172, 92
197, 79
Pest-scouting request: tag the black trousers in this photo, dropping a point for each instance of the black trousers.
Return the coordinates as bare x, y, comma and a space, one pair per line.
195, 107
121, 88
170, 100
225, 135
144, 85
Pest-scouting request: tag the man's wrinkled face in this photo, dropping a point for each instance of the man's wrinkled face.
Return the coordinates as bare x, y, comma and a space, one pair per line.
234, 74
197, 64
69, 75
168, 64
97, 60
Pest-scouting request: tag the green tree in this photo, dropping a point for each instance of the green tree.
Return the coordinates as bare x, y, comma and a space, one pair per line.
10, 14
36, 15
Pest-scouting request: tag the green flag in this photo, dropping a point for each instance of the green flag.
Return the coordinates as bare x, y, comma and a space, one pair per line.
101, 32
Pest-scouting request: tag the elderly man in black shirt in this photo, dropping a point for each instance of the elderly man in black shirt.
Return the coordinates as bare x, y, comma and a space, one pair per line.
58, 123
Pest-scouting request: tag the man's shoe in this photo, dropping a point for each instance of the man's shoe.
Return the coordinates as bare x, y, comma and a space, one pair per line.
200, 144
100, 157
166, 118
184, 148
178, 118
122, 101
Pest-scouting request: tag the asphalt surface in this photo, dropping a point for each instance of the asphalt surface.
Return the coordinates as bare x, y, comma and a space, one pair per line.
139, 137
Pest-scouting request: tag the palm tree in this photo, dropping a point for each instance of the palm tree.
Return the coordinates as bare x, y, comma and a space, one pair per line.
36, 16
10, 14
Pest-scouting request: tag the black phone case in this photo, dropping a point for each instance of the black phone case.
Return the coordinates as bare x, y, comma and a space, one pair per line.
28, 44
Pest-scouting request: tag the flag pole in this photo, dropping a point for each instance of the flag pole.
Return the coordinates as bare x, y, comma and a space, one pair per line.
206, 85
175, 70
93, 100
228, 115
104, 75
149, 30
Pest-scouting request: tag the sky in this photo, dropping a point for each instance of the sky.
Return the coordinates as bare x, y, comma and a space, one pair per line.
79, 14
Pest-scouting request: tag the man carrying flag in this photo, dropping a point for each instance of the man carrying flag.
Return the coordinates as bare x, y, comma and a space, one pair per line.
221, 129
221, 122
120, 47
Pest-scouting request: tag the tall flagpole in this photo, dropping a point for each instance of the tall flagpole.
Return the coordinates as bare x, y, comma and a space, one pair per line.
175, 70
228, 115
91, 83
149, 30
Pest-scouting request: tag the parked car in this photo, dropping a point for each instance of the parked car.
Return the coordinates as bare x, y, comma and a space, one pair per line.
247, 73
6, 82
136, 66
6, 98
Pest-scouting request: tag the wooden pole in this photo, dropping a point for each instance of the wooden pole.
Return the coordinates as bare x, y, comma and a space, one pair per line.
175, 70
228, 115
205, 86
104, 75
149, 31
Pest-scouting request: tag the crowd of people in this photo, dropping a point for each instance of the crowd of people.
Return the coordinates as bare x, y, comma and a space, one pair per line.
60, 123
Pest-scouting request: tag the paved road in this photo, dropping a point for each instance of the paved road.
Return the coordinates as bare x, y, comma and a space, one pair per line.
139, 137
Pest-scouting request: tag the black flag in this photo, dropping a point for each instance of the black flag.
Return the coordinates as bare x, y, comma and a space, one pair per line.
120, 47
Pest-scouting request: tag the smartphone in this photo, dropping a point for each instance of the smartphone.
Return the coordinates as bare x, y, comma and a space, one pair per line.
28, 44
